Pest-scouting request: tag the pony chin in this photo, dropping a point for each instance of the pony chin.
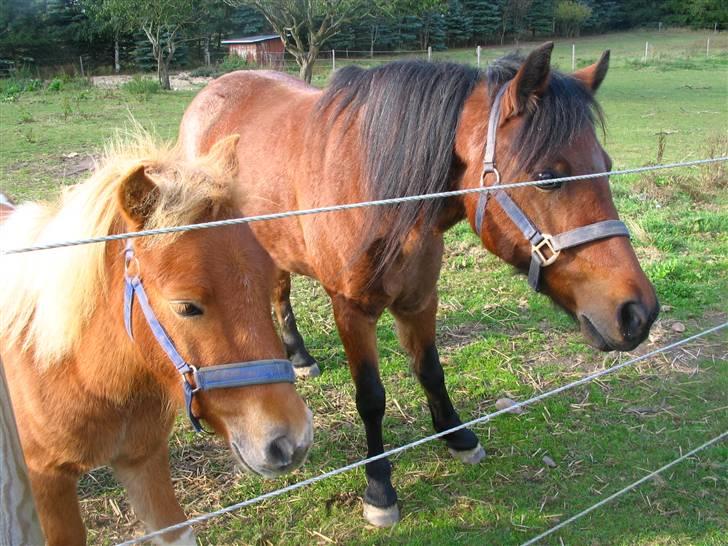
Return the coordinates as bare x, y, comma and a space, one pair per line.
596, 336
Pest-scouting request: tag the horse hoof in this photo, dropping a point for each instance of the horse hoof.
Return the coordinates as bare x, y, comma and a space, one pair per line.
469, 456
381, 517
305, 372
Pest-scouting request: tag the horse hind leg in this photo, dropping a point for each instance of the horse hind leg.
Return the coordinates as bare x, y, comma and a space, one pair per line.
149, 486
416, 331
303, 363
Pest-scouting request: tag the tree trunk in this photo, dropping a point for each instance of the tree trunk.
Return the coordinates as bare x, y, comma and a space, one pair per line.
117, 64
305, 62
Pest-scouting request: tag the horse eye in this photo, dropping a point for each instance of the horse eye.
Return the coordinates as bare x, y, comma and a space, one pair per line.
548, 175
186, 309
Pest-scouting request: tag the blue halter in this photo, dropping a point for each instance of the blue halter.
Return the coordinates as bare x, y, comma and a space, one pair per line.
224, 376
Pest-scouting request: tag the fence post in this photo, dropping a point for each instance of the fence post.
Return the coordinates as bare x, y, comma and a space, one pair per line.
647, 44
18, 521
477, 53
707, 49
429, 53
573, 57
81, 61
333, 60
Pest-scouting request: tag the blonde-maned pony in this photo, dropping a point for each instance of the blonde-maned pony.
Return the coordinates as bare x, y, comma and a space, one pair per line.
86, 394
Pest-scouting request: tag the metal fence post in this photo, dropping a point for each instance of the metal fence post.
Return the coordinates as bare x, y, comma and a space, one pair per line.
19, 524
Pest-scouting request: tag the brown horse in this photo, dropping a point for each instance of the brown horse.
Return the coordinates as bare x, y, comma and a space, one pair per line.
411, 128
84, 392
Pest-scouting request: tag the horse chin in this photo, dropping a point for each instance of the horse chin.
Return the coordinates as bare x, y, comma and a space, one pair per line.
601, 341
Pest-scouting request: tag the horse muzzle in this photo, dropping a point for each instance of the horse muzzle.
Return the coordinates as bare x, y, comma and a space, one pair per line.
278, 454
623, 332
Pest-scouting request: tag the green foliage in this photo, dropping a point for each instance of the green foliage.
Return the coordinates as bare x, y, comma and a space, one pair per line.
232, 63
56, 84
571, 16
141, 86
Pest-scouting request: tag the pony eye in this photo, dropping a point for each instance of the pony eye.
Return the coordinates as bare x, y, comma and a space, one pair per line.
186, 309
545, 176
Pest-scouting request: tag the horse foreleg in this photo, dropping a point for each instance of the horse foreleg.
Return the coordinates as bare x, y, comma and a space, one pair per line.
416, 331
357, 330
56, 500
303, 363
149, 486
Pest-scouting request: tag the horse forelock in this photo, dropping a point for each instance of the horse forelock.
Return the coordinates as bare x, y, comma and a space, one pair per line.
48, 296
553, 121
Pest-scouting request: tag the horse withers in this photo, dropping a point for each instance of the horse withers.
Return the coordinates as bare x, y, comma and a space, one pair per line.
102, 343
411, 128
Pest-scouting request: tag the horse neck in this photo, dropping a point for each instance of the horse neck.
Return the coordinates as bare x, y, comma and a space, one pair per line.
107, 362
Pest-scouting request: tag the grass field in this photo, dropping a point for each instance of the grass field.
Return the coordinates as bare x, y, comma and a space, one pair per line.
497, 339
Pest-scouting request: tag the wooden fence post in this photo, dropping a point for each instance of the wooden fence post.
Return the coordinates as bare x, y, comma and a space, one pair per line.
429, 53
477, 53
19, 524
333, 60
573, 57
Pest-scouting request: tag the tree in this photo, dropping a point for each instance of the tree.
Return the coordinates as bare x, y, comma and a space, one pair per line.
570, 17
306, 25
162, 22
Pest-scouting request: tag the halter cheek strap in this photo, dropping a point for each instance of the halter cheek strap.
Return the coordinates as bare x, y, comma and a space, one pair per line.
225, 376
545, 248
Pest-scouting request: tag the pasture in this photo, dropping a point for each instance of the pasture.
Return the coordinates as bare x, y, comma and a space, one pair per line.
496, 338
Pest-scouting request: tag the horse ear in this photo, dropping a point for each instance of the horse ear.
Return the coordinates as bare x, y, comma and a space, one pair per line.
593, 75
137, 197
531, 79
224, 153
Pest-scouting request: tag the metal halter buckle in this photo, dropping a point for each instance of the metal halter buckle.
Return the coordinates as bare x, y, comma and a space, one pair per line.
547, 242
490, 169
185, 379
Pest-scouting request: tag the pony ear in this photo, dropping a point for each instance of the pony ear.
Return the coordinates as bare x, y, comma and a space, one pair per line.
224, 153
137, 197
531, 79
593, 75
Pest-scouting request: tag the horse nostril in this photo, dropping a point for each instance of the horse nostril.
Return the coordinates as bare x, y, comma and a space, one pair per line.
633, 318
280, 452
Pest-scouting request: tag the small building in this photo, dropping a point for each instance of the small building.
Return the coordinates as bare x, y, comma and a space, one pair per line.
266, 49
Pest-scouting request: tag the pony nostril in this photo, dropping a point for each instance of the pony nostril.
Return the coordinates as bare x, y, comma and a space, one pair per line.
633, 318
280, 452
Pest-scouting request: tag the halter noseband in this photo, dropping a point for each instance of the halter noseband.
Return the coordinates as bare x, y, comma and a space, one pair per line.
225, 376
545, 248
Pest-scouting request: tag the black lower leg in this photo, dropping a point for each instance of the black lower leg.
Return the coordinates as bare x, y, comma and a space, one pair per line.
432, 378
370, 402
292, 339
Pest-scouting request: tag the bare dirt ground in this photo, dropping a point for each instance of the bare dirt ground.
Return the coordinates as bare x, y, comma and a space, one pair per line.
180, 81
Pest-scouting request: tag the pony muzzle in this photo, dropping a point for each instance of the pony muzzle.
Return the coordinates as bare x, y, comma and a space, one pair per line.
278, 452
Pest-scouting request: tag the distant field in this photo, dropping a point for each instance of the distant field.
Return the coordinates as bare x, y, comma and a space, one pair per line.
497, 338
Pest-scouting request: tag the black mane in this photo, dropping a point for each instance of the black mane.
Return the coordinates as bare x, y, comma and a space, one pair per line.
409, 114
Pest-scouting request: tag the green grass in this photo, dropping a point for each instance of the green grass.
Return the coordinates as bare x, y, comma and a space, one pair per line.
496, 338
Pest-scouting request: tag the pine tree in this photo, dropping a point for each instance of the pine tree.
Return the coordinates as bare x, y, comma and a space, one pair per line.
459, 24
485, 18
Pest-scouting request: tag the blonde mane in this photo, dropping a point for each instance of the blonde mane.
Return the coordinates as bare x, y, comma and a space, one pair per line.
47, 297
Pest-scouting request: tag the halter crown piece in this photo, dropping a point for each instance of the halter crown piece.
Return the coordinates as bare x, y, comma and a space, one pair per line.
224, 376
545, 248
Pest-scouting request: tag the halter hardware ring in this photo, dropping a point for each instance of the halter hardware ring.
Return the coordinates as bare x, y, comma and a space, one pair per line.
185, 379
490, 169
129, 257
547, 242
